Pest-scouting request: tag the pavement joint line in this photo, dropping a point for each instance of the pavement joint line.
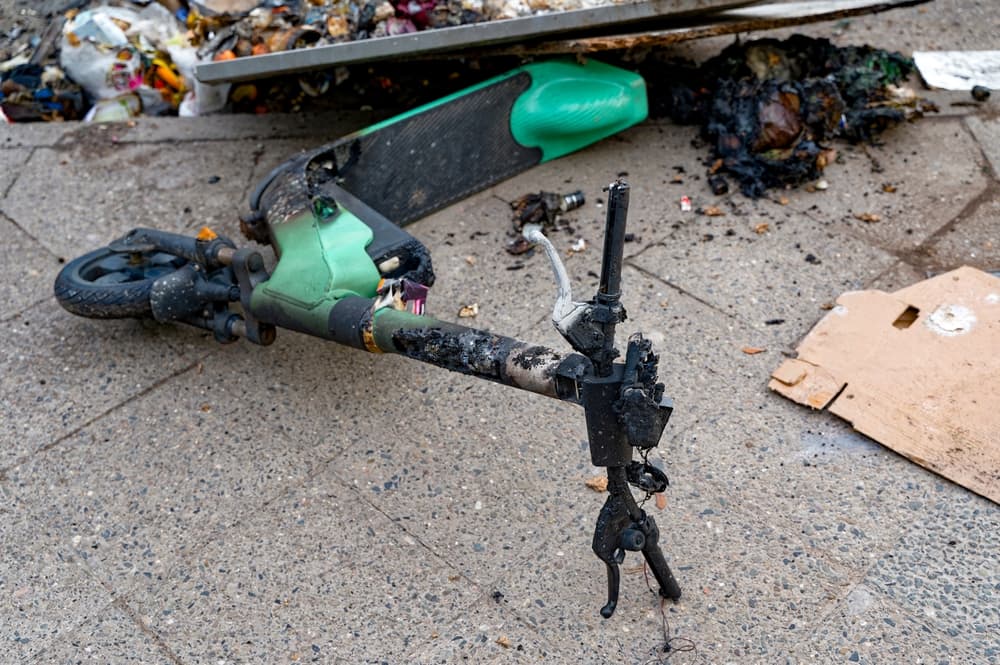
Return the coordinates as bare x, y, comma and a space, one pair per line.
258, 152
889, 269
127, 609
10, 218
17, 176
484, 598
989, 193
82, 426
10, 317
988, 165
687, 293
400, 526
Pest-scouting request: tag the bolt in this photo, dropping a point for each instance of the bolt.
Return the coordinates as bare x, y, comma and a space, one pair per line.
571, 201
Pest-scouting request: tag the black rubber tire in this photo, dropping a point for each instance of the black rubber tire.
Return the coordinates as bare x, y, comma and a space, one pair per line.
105, 284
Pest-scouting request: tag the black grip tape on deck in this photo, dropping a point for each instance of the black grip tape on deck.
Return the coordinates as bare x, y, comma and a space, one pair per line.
415, 166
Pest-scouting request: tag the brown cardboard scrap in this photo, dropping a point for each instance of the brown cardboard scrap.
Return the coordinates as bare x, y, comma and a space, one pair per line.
917, 370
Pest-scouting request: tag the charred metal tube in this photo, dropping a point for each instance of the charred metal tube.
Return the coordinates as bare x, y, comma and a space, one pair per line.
470, 351
609, 289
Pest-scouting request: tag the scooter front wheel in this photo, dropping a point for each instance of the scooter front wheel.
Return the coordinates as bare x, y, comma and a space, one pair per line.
109, 284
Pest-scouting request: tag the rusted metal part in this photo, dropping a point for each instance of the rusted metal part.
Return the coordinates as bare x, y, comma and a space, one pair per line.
467, 350
724, 23
482, 354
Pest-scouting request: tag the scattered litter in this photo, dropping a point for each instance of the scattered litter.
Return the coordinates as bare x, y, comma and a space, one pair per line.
813, 259
774, 322
469, 311
916, 370
597, 483
783, 200
579, 245
543, 208
661, 500
504, 641
888, 188
869, 217
718, 184
685, 204
471, 260
753, 350
761, 228
712, 211
959, 70
768, 107
822, 185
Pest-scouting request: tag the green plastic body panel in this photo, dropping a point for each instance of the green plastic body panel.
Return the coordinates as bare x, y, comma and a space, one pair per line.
321, 261
569, 106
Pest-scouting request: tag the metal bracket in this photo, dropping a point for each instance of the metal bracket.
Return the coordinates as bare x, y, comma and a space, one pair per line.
248, 265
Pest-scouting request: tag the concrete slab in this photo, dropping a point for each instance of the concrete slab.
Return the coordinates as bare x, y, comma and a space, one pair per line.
953, 587
971, 241
867, 627
745, 598
111, 636
783, 275
25, 270
935, 166
56, 379
44, 594
193, 458
987, 133
260, 533
319, 574
33, 135
485, 632
107, 188
13, 161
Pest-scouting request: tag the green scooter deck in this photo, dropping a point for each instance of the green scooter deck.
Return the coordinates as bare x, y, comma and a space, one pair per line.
426, 161
421, 161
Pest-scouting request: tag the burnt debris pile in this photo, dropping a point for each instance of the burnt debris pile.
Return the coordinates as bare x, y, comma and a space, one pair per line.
770, 108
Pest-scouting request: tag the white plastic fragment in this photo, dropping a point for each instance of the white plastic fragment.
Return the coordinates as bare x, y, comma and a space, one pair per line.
959, 70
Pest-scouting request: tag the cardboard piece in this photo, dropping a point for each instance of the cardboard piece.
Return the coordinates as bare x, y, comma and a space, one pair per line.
917, 370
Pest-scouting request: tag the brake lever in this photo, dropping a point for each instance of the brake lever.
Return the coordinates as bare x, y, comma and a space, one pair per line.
623, 403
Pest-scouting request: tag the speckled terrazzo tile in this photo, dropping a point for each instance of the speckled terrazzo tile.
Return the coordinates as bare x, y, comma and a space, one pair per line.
317, 573
944, 568
795, 470
745, 597
27, 270
140, 487
13, 161
61, 371
110, 637
936, 169
468, 482
776, 281
44, 593
107, 188
973, 240
868, 628
485, 632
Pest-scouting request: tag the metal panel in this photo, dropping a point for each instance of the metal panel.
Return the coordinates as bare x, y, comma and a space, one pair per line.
459, 37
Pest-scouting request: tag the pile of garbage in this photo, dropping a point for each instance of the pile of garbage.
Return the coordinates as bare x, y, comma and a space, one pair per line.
111, 61
769, 108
